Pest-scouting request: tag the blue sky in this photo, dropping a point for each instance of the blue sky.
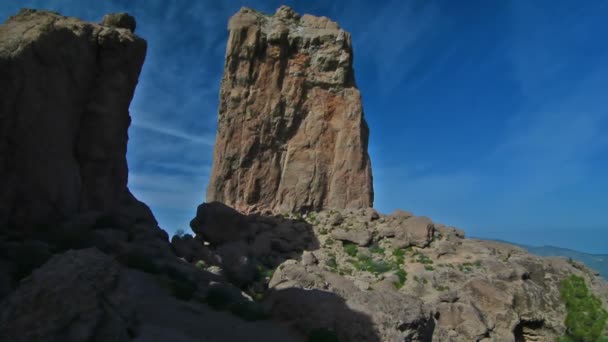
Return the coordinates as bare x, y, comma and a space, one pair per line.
485, 115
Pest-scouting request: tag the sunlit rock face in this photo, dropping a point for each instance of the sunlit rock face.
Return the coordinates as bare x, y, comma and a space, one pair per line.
291, 132
66, 87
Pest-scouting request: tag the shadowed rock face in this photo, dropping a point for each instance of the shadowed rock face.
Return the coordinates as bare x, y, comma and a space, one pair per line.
291, 133
66, 86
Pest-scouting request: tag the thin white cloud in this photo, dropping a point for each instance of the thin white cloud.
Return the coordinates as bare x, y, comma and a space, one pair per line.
204, 140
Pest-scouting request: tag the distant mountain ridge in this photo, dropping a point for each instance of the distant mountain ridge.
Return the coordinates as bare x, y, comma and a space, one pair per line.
597, 262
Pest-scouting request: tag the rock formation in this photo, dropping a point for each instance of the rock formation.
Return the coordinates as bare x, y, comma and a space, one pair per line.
94, 265
80, 258
291, 133
64, 113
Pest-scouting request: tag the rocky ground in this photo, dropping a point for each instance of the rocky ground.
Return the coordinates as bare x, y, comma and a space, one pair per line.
373, 277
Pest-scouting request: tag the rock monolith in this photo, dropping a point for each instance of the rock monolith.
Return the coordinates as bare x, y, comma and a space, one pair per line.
291, 131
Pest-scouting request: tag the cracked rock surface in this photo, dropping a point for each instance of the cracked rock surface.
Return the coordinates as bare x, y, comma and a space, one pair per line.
291, 132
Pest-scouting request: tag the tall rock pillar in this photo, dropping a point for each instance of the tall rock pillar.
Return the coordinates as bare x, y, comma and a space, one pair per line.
291, 132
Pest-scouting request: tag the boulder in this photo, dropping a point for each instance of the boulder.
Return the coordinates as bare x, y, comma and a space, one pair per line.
218, 223
359, 236
75, 296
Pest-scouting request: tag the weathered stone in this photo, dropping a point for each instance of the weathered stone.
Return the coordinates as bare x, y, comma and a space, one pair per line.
359, 236
414, 231
291, 133
308, 259
73, 297
120, 20
63, 123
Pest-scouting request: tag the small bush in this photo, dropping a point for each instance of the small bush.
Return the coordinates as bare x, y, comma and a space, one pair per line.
329, 242
322, 335
399, 255
467, 267
429, 268
350, 249
366, 263
402, 278
265, 273
201, 265
586, 318
376, 249
332, 263
423, 259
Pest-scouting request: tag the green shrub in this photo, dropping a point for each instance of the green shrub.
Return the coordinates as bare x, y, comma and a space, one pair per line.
332, 263
329, 242
350, 249
429, 268
265, 273
399, 255
586, 318
200, 265
423, 259
366, 263
402, 278
376, 249
322, 335
466, 267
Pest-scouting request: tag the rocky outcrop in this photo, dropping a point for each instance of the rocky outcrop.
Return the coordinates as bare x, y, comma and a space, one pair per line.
407, 277
64, 113
291, 133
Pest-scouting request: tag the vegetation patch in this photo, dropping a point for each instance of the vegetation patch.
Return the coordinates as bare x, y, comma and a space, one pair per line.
586, 318
201, 265
350, 248
366, 263
422, 258
332, 263
376, 249
402, 275
399, 255
466, 267
265, 273
442, 288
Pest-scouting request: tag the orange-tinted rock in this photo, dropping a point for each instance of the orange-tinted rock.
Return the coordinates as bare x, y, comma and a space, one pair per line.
291, 132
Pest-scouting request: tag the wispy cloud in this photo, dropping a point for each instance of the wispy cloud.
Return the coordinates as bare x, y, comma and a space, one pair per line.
205, 140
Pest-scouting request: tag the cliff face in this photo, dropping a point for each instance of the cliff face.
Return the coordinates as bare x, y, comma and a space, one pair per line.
66, 86
291, 133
